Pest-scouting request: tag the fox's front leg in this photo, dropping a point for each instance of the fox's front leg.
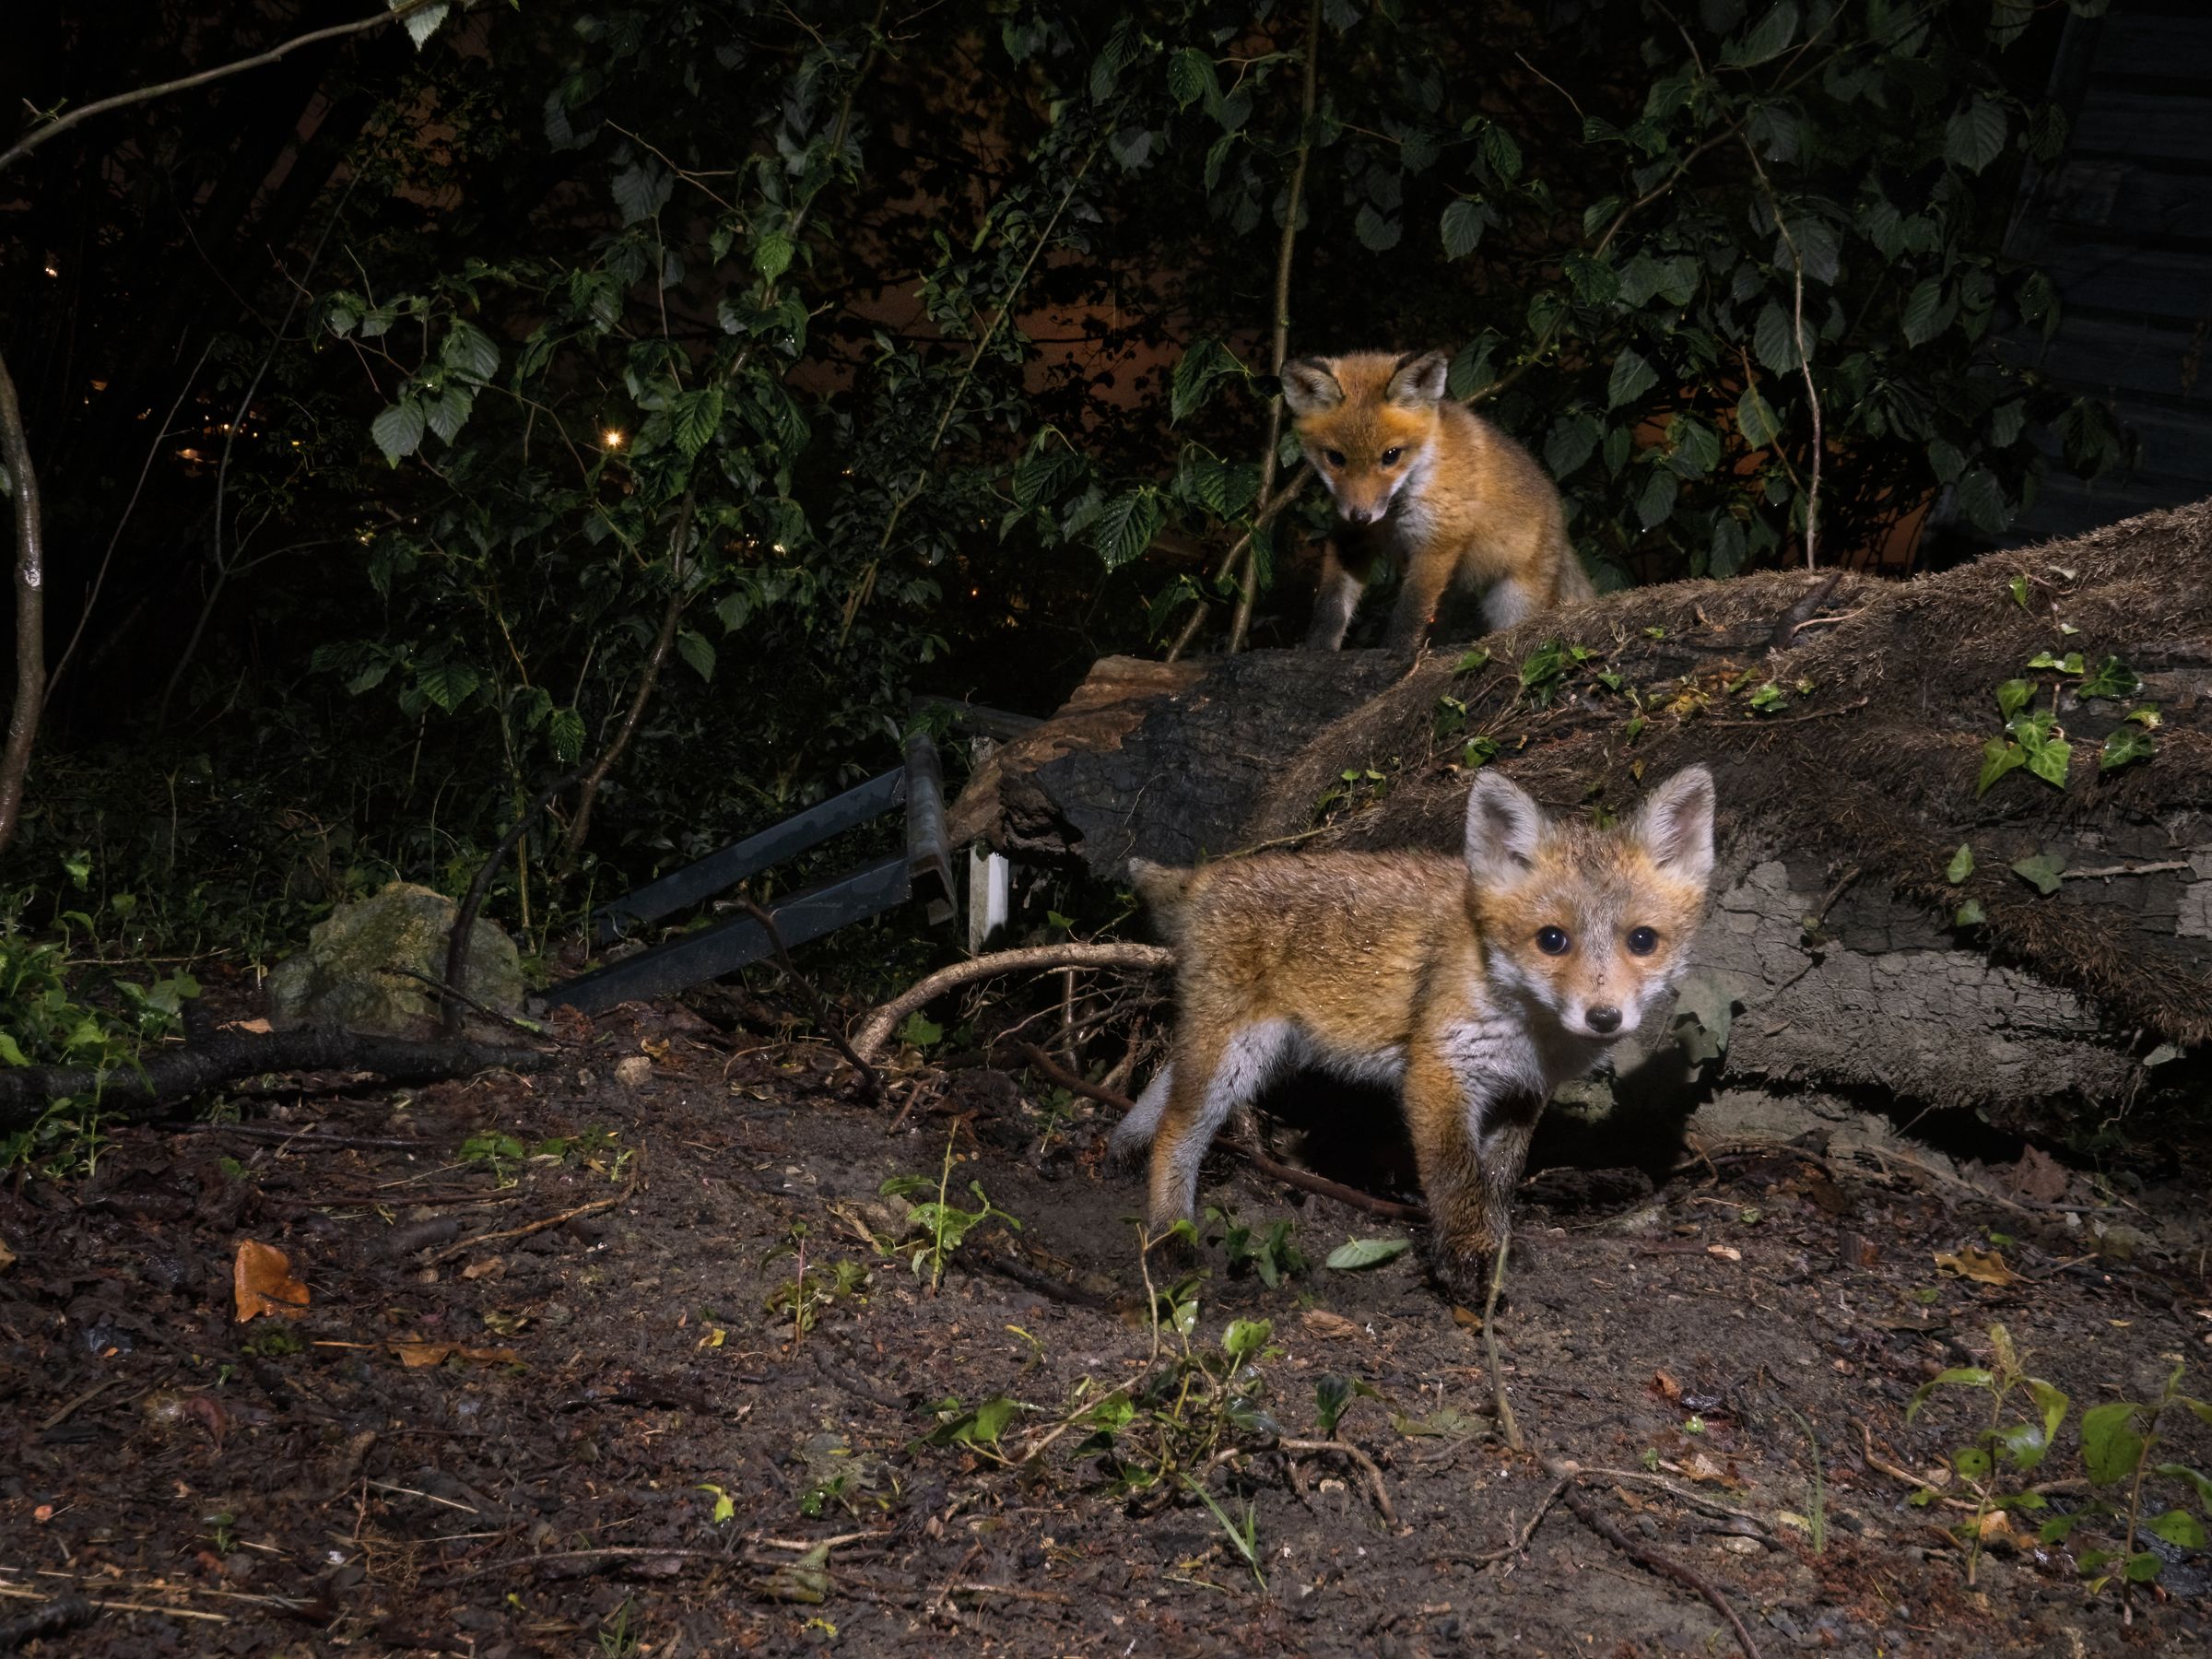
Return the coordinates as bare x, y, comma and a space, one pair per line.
1333, 601
1471, 1143
1427, 576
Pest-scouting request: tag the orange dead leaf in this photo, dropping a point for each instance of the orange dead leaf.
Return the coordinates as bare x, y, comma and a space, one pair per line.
1983, 1266
1322, 1322
260, 1028
1725, 1253
1667, 1385
261, 1281
414, 1354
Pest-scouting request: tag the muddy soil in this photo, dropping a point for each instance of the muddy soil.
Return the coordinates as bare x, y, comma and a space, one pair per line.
546, 1395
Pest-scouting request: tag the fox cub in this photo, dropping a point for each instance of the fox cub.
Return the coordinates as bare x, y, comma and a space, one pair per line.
1420, 479
1477, 984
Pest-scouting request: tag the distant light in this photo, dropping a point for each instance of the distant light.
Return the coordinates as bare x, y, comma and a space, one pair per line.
613, 439
50, 271
780, 548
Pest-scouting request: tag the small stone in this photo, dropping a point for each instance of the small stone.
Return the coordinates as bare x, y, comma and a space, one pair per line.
632, 1071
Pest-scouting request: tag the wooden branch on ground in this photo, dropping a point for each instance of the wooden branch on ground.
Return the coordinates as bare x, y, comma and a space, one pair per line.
879, 1025
1665, 1566
174, 1074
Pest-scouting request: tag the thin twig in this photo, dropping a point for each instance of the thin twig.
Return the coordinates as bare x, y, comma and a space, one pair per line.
455, 991
879, 1025
1804, 357
819, 1008
1664, 1565
1388, 1209
1519, 1541
2105, 871
465, 1246
1345, 1449
1507, 1425
1792, 719
1248, 583
62, 124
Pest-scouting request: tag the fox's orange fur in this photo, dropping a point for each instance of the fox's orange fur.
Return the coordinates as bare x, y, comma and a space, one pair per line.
1420, 479
1478, 984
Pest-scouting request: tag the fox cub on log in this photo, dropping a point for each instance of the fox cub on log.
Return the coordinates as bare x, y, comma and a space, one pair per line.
1477, 984
1420, 479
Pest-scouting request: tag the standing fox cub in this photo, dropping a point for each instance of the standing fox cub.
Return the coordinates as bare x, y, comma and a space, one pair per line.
1476, 985
1420, 479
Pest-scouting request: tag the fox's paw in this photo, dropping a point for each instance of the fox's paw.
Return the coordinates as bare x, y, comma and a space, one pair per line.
1461, 1269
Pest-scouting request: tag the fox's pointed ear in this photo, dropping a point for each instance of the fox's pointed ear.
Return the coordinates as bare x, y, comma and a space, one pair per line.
1309, 387
1504, 824
1419, 379
1676, 824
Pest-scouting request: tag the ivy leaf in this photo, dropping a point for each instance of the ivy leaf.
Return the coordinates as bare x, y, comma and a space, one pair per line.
1126, 526
1970, 914
1755, 420
2042, 871
2113, 678
2129, 743
1998, 757
398, 430
1961, 866
2013, 696
1632, 378
1357, 1254
2049, 759
1975, 136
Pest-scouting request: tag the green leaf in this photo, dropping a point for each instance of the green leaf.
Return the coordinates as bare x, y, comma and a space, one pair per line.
2113, 678
1970, 914
1999, 758
1771, 339
2144, 1566
1246, 1337
1768, 38
1500, 151
1755, 418
696, 653
1195, 372
2053, 1403
2048, 759
2181, 1528
1126, 526
1982, 499
2013, 696
921, 1033
1366, 1253
1376, 230
1655, 502
1961, 866
398, 430
447, 684
643, 190
1632, 378
2196, 1481
2129, 743
771, 255
2109, 1446
469, 351
1464, 223
2042, 871
1694, 448
422, 25
1190, 78
1975, 136
1925, 315
2018, 588
697, 417
564, 730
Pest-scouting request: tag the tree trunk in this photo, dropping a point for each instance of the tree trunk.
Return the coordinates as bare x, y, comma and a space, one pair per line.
1848, 766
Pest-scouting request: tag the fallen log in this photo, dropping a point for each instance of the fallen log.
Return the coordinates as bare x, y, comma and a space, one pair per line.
2071, 964
171, 1075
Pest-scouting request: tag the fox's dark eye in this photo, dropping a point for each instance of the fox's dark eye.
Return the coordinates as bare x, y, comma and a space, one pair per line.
1390, 456
1334, 457
1552, 941
1642, 941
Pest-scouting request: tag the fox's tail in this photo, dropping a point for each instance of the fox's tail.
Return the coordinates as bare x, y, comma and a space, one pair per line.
1163, 888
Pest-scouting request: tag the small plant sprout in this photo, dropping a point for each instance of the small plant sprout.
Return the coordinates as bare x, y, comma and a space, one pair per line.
1271, 1254
1243, 1536
937, 1228
2001, 1447
2118, 1443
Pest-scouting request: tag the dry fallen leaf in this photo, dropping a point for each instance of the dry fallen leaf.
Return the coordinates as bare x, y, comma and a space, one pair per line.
414, 1354
262, 1282
1667, 1385
1726, 1253
1322, 1322
2039, 1176
8, 1256
1700, 1467
1983, 1266
260, 1028
490, 1267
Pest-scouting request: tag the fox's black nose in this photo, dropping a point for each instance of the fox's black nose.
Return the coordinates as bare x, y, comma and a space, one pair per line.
1603, 1021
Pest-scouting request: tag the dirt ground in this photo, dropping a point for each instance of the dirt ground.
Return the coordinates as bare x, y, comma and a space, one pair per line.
549, 1335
